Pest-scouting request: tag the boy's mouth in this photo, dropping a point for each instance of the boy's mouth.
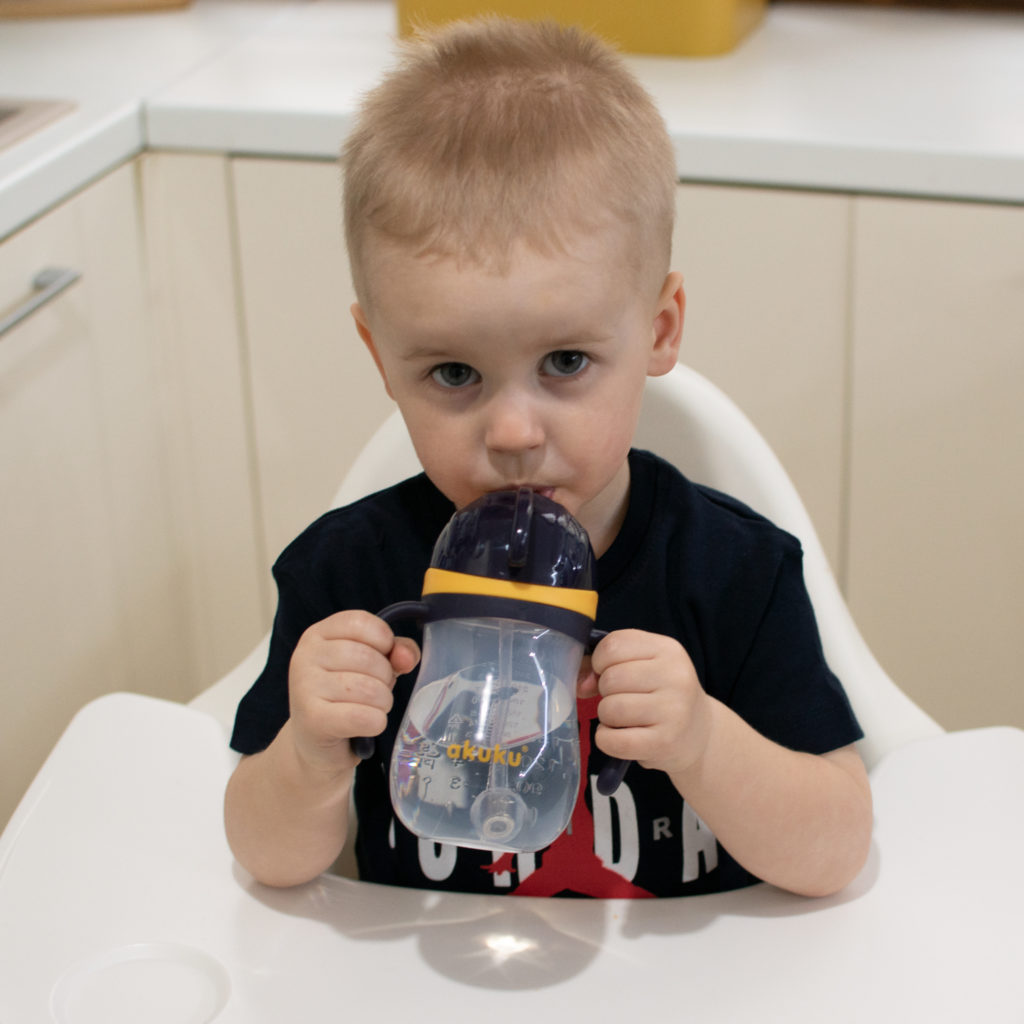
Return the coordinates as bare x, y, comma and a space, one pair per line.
545, 492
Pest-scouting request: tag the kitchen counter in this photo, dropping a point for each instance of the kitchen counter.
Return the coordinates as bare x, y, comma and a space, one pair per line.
109, 66
913, 102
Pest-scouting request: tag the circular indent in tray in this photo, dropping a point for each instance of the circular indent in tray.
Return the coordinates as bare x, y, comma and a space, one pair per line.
155, 982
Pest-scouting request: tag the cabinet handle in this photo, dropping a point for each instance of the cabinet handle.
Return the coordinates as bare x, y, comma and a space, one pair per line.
46, 285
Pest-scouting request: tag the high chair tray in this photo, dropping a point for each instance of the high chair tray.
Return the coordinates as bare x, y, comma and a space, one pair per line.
119, 901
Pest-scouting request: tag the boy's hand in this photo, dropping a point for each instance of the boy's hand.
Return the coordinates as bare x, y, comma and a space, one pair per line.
653, 709
339, 685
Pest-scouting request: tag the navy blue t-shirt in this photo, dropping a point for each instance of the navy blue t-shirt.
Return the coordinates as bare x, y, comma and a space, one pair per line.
688, 562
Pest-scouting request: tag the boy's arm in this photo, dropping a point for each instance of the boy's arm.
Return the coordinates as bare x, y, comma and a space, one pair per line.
286, 808
799, 821
285, 822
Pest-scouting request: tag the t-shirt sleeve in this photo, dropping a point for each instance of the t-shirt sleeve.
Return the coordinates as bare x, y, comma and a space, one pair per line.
366, 555
264, 709
784, 687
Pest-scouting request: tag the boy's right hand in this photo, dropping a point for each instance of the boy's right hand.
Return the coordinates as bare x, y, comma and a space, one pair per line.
340, 680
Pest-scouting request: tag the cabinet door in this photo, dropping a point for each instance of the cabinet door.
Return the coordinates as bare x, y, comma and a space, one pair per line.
204, 389
316, 396
937, 493
87, 599
766, 277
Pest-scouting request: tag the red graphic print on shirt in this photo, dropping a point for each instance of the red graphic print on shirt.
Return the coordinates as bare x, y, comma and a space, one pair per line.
570, 864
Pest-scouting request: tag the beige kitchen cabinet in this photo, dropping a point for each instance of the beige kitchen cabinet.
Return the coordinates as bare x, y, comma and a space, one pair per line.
316, 396
88, 594
767, 285
936, 555
204, 394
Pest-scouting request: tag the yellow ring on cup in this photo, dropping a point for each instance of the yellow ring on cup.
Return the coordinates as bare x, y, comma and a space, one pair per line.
444, 581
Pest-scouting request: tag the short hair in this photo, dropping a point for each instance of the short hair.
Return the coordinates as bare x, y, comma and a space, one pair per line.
495, 131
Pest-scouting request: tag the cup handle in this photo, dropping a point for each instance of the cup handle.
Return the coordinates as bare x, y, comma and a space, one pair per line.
364, 746
609, 777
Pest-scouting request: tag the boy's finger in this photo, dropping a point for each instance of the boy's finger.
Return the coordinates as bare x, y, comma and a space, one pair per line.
623, 645
628, 677
345, 655
353, 689
358, 625
404, 656
586, 679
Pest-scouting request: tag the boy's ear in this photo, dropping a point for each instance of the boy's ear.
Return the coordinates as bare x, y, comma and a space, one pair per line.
364, 332
668, 326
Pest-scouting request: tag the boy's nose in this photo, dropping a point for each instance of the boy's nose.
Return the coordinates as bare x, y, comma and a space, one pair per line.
512, 425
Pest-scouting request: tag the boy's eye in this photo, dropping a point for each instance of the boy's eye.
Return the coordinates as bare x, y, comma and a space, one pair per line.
453, 375
565, 363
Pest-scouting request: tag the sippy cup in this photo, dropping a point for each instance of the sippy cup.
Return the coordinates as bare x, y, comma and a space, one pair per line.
488, 753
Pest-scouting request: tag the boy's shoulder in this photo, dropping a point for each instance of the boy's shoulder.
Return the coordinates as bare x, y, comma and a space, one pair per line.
394, 523
681, 506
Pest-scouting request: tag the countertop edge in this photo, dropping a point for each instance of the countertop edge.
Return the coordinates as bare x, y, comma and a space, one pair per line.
43, 183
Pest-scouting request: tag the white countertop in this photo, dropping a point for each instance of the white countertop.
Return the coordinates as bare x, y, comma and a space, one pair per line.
110, 67
913, 102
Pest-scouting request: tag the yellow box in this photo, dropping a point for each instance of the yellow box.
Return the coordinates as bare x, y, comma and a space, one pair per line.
684, 28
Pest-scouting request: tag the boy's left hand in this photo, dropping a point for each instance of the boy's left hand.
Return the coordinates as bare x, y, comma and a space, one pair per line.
653, 709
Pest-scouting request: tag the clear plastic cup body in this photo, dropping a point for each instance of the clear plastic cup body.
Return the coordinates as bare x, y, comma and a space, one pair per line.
488, 755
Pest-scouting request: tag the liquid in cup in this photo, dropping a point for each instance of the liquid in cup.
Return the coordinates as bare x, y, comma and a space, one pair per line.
487, 755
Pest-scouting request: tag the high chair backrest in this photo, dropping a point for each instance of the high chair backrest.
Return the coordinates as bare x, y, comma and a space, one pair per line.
688, 421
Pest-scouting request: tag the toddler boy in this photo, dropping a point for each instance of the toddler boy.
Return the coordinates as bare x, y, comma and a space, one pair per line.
509, 196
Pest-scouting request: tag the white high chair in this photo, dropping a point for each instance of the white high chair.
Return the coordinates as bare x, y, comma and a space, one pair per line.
691, 423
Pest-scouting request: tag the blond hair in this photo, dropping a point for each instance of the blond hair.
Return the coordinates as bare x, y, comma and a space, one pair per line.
493, 132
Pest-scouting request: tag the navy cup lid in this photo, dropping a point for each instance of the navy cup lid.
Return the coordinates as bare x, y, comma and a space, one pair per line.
517, 535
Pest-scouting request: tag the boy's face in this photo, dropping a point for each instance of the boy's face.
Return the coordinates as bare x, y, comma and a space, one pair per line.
534, 376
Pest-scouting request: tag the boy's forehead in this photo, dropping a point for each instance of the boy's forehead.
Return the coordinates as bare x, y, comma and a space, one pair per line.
388, 260
427, 307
